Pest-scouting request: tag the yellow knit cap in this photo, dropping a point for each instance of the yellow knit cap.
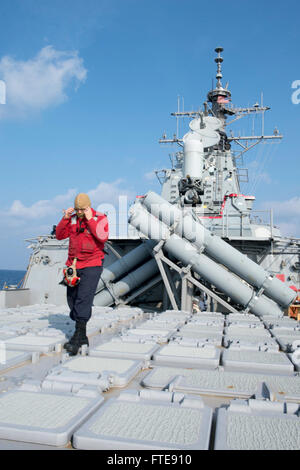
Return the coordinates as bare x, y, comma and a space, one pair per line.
82, 201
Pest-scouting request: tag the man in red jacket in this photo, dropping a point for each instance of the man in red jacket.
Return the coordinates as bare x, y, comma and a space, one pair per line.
87, 231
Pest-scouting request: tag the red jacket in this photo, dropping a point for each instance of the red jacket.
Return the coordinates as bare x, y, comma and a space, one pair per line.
86, 239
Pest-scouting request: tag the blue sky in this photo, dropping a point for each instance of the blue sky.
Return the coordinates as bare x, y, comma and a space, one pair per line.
91, 85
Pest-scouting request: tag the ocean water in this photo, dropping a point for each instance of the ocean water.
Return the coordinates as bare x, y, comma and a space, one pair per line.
10, 276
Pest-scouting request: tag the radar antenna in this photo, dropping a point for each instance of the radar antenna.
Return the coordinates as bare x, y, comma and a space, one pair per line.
219, 61
220, 98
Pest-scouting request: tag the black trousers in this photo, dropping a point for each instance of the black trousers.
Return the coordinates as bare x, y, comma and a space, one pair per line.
80, 298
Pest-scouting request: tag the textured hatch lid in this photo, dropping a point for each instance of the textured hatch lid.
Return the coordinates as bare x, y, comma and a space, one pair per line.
188, 356
121, 349
43, 418
255, 431
33, 343
259, 361
223, 383
98, 371
135, 422
12, 358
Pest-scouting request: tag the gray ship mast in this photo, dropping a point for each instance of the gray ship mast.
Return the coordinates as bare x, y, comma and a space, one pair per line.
219, 97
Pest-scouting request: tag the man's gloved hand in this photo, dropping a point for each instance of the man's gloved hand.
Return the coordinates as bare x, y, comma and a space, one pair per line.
68, 212
88, 213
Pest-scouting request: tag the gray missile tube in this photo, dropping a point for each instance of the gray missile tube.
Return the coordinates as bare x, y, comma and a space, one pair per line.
216, 248
125, 264
127, 284
217, 275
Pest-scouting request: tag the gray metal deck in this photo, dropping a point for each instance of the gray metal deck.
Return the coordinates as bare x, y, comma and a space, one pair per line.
145, 390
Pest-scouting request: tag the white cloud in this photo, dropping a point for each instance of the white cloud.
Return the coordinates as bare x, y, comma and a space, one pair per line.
104, 193
290, 228
263, 178
109, 193
27, 221
38, 210
290, 207
286, 215
150, 176
40, 82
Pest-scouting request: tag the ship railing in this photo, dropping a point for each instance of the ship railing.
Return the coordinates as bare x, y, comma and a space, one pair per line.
263, 218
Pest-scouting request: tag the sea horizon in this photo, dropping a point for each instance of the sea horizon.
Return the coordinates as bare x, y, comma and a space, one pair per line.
11, 276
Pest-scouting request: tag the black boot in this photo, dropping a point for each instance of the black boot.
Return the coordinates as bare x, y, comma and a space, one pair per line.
78, 339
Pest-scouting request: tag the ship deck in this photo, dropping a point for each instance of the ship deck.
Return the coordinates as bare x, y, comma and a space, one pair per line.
169, 381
